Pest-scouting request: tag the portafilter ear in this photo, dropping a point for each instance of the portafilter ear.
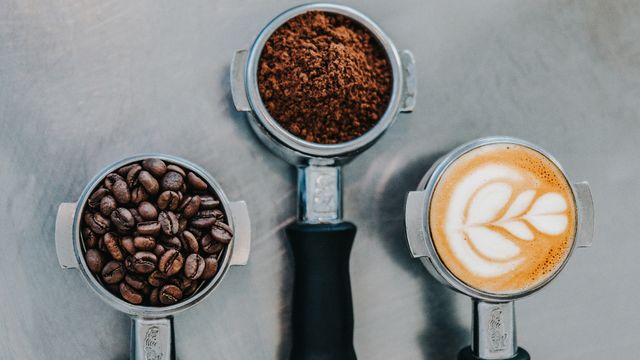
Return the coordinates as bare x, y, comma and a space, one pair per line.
151, 327
494, 329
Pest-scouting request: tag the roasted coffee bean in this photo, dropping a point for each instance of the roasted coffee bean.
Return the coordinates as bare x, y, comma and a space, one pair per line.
159, 250
196, 182
135, 281
172, 242
111, 179
172, 181
121, 192
169, 222
208, 202
122, 219
190, 206
203, 219
193, 266
210, 267
113, 272
139, 194
144, 262
197, 232
149, 182
153, 297
130, 294
112, 243
97, 222
209, 245
189, 242
90, 238
96, 197
101, 246
190, 289
156, 167
147, 211
107, 205
182, 224
222, 232
113, 288
170, 294
168, 200
94, 260
157, 278
148, 228
171, 262
176, 168
123, 171
136, 215
179, 281
126, 242
145, 243
132, 175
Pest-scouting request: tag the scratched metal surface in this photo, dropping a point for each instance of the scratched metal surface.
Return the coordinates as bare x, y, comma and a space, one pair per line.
83, 83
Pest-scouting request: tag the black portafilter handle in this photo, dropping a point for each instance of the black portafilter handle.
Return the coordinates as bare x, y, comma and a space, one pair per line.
467, 354
322, 307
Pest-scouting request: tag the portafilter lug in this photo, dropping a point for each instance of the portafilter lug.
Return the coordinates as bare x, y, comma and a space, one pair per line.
64, 236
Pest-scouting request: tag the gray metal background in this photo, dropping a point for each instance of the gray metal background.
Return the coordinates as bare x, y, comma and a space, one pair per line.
84, 83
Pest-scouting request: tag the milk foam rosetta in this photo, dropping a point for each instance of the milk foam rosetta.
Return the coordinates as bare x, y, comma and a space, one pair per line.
502, 218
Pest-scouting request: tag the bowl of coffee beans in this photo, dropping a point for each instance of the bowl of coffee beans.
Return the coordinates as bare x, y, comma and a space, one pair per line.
152, 235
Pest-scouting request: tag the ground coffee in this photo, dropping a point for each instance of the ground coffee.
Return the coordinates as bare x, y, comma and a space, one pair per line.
324, 77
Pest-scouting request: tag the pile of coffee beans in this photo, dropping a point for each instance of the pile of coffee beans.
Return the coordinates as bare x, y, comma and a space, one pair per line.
154, 232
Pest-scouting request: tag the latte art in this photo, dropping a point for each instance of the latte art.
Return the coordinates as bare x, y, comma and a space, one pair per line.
502, 218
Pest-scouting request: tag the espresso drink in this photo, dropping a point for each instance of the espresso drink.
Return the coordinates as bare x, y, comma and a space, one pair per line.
502, 218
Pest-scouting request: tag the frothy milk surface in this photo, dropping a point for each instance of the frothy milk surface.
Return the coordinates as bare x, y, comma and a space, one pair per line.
502, 218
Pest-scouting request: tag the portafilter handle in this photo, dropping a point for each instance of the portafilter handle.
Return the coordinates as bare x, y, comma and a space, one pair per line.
152, 338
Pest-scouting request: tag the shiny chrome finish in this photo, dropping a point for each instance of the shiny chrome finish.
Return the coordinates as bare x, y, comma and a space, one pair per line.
69, 249
494, 330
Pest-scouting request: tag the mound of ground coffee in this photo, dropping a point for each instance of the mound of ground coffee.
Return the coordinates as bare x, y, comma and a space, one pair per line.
324, 78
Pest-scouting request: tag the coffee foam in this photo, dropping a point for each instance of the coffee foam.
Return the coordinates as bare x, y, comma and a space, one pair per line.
502, 218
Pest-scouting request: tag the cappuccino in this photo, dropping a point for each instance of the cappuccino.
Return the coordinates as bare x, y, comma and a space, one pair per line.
502, 218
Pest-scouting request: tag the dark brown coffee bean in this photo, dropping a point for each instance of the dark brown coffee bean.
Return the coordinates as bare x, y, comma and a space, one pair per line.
145, 243
147, 211
112, 243
172, 242
190, 206
182, 224
156, 167
172, 181
148, 228
176, 168
113, 272
123, 219
203, 219
144, 262
193, 266
208, 202
171, 262
197, 232
159, 250
222, 232
136, 215
135, 281
170, 294
129, 294
180, 281
96, 197
149, 182
139, 194
132, 175
97, 222
210, 267
189, 242
94, 260
123, 171
90, 238
157, 279
169, 222
121, 192
111, 179
126, 242
107, 205
196, 182
190, 289
209, 245
168, 200
153, 297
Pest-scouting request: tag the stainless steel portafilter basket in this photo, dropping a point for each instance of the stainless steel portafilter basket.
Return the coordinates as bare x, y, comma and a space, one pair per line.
321, 241
494, 329
151, 327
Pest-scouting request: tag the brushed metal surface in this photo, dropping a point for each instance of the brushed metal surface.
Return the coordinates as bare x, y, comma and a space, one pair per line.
79, 80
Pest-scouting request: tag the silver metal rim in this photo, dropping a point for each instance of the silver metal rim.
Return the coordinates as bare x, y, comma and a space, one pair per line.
429, 183
288, 139
108, 297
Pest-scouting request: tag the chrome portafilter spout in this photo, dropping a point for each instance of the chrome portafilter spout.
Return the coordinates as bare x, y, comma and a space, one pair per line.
320, 240
151, 326
494, 324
